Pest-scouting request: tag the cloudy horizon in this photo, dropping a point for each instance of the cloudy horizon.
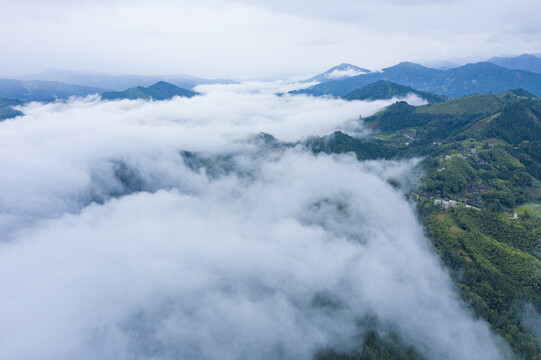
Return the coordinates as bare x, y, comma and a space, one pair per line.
240, 221
257, 39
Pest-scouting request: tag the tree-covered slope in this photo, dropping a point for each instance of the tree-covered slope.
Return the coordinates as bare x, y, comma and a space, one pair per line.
386, 90
516, 123
515, 113
482, 154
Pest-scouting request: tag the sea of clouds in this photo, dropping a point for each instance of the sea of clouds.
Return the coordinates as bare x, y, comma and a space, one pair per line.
173, 230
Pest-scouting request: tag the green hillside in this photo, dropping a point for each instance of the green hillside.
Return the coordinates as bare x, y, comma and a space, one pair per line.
482, 163
469, 105
510, 117
516, 123
386, 90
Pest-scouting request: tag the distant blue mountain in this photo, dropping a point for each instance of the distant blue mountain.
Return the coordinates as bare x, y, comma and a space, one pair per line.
523, 62
339, 72
119, 82
478, 78
159, 91
37, 90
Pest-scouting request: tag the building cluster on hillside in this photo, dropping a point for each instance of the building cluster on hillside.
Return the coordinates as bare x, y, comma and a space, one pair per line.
406, 134
473, 152
445, 204
476, 188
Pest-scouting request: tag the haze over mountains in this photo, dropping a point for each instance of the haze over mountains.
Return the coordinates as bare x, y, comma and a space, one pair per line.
237, 221
344, 80
37, 90
118, 82
495, 75
159, 91
476, 78
522, 62
270, 180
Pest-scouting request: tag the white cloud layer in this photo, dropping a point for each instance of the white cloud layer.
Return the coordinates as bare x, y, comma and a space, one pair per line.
117, 247
338, 74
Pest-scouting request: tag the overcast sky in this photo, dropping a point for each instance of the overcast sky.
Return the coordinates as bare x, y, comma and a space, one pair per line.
258, 38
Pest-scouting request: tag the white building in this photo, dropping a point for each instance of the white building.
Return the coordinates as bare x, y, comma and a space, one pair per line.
451, 204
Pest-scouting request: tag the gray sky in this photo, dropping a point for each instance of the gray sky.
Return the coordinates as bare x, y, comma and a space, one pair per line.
250, 38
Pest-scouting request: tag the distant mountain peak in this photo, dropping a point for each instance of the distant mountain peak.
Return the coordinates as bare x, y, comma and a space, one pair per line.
159, 91
477, 78
527, 56
521, 57
526, 62
407, 65
345, 66
163, 85
338, 72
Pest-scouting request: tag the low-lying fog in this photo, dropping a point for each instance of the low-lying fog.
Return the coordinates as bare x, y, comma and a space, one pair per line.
174, 230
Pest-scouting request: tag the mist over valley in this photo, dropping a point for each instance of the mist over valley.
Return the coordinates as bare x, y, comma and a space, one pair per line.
245, 180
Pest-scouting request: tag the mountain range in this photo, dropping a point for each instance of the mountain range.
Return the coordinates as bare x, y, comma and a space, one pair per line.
118, 82
37, 90
344, 80
159, 91
476, 78
526, 62
17, 92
